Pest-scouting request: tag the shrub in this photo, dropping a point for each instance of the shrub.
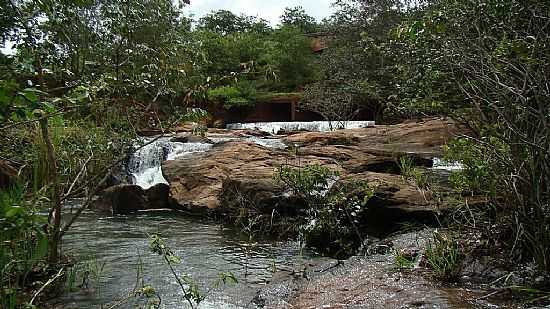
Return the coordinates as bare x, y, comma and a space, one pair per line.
480, 169
310, 182
242, 94
444, 257
23, 244
335, 228
332, 222
413, 173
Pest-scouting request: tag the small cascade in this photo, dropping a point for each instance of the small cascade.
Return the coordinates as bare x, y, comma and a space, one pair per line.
319, 126
180, 150
145, 164
440, 164
262, 141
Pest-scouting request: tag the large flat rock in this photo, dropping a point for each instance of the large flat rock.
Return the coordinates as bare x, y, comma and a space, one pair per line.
197, 182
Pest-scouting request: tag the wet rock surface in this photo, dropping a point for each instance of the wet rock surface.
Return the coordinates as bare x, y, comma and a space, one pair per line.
201, 181
189, 138
121, 199
128, 199
370, 281
198, 181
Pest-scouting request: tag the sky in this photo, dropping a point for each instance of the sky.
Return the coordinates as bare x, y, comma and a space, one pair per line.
266, 9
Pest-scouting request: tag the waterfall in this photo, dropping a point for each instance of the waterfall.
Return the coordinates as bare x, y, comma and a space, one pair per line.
262, 141
320, 126
145, 164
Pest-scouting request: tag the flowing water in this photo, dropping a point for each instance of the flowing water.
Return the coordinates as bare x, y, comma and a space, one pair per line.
321, 126
121, 243
440, 164
145, 164
206, 250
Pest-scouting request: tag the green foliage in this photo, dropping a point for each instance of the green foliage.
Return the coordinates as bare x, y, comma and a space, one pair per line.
334, 214
280, 60
297, 17
444, 257
225, 22
243, 94
293, 59
309, 182
337, 101
335, 227
23, 244
361, 53
478, 174
410, 172
76, 141
402, 260
482, 62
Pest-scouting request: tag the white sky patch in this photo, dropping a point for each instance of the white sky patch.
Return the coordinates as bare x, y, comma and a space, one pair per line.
7, 48
269, 10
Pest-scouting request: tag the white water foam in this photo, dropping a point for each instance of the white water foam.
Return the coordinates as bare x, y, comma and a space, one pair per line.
440, 164
180, 150
145, 164
319, 126
262, 141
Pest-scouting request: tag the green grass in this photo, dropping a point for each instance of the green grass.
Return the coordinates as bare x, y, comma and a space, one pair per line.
410, 172
402, 260
444, 257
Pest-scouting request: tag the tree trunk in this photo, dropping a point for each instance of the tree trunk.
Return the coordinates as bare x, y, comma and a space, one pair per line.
54, 220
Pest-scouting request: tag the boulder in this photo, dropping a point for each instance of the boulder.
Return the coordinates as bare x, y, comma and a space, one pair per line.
128, 199
249, 132
122, 199
157, 196
197, 182
238, 172
258, 197
422, 139
149, 132
395, 201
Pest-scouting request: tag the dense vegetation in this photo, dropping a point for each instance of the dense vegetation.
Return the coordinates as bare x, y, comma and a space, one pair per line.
86, 76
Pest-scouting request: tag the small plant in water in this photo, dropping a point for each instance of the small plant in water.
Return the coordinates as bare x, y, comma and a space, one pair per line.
412, 173
444, 257
86, 275
403, 260
189, 287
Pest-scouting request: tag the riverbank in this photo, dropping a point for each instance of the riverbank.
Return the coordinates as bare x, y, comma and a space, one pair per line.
378, 279
234, 181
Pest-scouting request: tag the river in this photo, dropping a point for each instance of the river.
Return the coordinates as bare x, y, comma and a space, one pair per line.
206, 250
121, 244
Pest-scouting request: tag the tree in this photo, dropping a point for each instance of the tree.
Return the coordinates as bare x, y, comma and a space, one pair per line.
336, 100
293, 58
225, 22
298, 18
488, 62
361, 51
